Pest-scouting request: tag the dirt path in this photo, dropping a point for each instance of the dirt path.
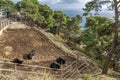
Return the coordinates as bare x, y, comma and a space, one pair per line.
17, 25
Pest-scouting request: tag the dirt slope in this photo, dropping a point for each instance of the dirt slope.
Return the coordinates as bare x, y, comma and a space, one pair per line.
18, 42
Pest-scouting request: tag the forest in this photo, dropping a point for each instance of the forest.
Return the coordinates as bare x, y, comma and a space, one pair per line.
99, 40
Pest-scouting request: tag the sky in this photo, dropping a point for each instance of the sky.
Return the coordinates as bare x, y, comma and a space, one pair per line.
63, 4
71, 7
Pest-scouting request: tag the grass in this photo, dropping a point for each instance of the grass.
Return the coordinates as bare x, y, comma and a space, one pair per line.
59, 38
88, 78
46, 76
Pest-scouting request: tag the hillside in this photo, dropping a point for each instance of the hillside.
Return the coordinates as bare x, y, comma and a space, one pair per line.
17, 41
90, 49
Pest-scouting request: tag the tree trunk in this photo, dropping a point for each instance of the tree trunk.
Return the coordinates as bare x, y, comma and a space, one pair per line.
108, 59
58, 29
115, 41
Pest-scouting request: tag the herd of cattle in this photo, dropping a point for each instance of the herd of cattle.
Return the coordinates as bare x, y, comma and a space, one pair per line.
55, 65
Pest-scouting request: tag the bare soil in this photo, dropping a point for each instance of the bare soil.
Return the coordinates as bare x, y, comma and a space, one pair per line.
15, 43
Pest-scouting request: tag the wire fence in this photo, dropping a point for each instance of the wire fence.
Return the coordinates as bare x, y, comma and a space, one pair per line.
64, 73
3, 24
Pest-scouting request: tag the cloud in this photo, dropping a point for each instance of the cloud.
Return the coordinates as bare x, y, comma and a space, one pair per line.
65, 4
50, 1
70, 1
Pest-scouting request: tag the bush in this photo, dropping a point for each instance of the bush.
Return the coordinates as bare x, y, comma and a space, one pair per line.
88, 78
59, 38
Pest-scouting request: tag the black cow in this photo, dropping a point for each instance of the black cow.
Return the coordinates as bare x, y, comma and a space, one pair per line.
18, 61
60, 60
31, 54
54, 66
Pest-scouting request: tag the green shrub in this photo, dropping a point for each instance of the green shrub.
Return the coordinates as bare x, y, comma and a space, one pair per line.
46, 76
88, 78
59, 38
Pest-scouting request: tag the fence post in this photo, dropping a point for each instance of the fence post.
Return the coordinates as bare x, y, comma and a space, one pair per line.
0, 25
62, 76
77, 63
5, 22
49, 71
15, 67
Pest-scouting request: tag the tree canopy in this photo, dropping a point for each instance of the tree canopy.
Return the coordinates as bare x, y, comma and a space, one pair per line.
115, 6
7, 5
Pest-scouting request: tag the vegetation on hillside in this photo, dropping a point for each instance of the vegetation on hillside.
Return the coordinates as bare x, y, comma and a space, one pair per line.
100, 36
114, 5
